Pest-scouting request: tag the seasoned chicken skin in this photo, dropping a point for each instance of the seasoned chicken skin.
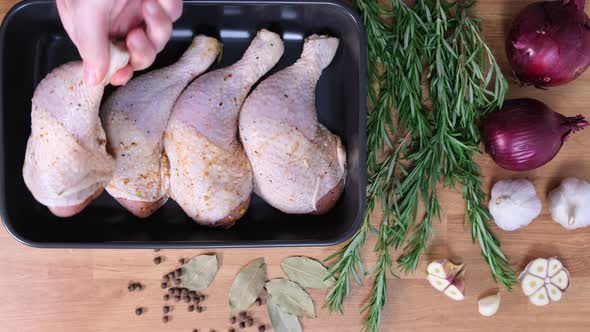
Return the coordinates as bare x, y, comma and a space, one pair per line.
66, 163
299, 165
135, 118
210, 176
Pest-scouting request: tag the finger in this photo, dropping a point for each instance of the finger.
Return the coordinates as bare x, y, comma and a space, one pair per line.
87, 28
122, 76
91, 38
65, 15
158, 24
140, 49
173, 8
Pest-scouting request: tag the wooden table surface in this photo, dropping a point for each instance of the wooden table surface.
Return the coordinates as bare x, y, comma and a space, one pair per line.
86, 290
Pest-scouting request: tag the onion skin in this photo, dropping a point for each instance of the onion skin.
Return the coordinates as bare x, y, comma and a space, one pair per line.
525, 134
549, 43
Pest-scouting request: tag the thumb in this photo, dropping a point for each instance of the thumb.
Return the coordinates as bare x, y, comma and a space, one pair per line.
92, 41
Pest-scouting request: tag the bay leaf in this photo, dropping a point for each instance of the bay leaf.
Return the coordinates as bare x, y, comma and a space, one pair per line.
290, 297
307, 272
247, 286
198, 272
282, 321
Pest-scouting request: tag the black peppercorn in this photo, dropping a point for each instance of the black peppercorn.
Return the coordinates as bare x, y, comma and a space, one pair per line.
139, 311
158, 260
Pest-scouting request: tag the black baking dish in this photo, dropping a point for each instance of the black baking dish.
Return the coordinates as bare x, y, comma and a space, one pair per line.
33, 42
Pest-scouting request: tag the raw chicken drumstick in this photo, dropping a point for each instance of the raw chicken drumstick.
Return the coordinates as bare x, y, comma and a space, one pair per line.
299, 166
135, 118
210, 176
66, 163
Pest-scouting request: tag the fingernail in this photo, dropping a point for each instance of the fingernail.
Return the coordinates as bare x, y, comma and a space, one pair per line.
90, 76
151, 7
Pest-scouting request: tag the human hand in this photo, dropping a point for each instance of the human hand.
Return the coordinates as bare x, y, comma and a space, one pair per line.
144, 25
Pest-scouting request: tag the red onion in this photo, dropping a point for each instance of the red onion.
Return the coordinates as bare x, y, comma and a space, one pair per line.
525, 133
549, 43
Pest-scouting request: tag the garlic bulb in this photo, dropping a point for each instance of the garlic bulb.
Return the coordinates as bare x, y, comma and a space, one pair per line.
447, 278
544, 280
514, 204
570, 203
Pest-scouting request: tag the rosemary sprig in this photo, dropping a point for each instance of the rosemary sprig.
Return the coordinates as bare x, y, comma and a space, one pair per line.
379, 120
431, 157
460, 71
472, 82
402, 74
419, 183
438, 144
479, 218
379, 125
382, 185
348, 263
378, 297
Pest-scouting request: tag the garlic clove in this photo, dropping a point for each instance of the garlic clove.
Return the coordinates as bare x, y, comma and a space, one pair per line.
437, 269
443, 268
554, 266
553, 292
438, 283
489, 305
561, 279
447, 277
455, 293
530, 284
540, 298
456, 289
538, 267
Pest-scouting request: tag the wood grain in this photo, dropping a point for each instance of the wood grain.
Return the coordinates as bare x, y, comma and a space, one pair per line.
86, 290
